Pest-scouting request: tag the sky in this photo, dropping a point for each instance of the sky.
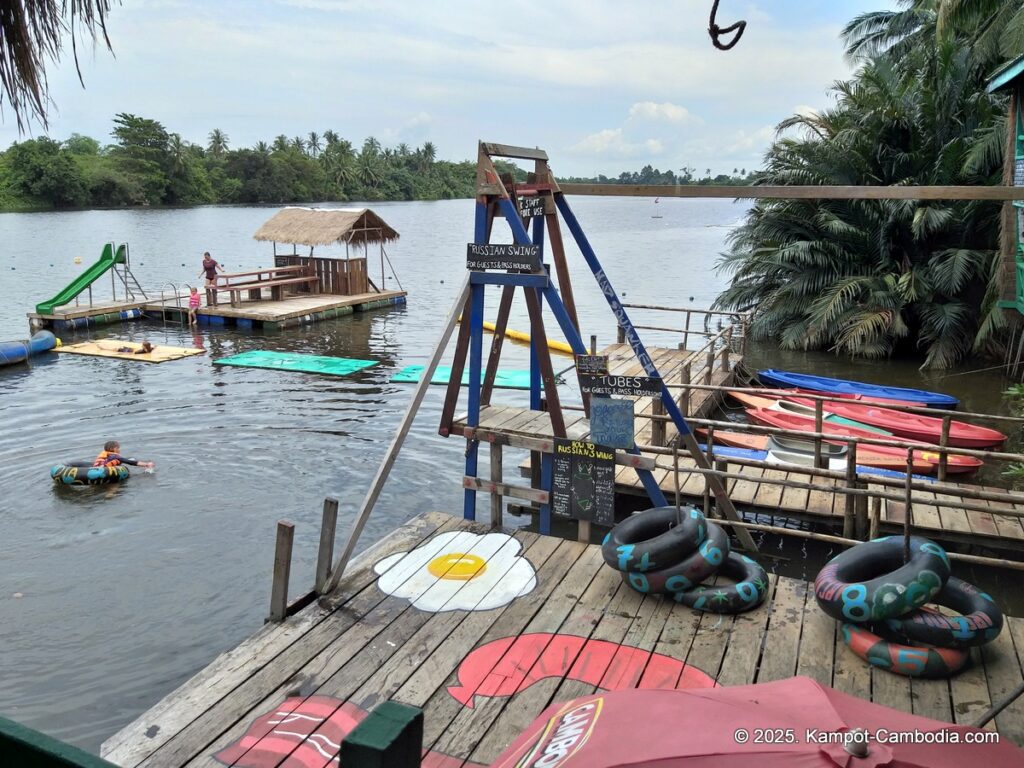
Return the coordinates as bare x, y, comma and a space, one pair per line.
603, 86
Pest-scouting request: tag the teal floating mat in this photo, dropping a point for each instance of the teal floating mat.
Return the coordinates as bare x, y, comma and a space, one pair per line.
503, 379
291, 361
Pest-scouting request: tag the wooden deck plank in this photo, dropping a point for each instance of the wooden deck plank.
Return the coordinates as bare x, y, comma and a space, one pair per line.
890, 690
743, 656
970, 692
850, 674
782, 642
342, 635
227, 672
1008, 527
769, 495
710, 642
930, 698
952, 519
1004, 658
816, 658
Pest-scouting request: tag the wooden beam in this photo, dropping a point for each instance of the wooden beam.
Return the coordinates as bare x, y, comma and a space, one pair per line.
282, 570
507, 150
800, 192
547, 371
504, 489
325, 555
451, 397
497, 342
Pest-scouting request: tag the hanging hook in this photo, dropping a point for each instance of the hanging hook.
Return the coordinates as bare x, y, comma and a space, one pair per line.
716, 31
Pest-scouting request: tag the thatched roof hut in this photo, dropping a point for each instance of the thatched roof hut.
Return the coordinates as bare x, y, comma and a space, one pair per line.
323, 226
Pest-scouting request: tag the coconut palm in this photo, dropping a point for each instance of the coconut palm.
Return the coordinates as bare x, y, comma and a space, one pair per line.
218, 142
32, 32
870, 278
280, 143
313, 143
330, 137
299, 144
177, 150
262, 148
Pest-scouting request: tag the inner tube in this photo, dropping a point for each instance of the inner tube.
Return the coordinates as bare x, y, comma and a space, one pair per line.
906, 660
693, 569
84, 473
870, 581
980, 619
651, 540
19, 351
746, 594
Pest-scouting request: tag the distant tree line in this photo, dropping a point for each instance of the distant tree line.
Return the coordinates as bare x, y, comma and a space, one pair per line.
686, 175
147, 165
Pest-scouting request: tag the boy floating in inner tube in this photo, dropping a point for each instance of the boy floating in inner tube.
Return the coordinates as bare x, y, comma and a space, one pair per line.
110, 457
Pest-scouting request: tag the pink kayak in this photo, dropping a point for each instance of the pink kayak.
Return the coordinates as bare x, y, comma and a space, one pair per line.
914, 426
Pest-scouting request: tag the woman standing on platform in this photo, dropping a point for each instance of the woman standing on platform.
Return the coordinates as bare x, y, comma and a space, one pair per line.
210, 268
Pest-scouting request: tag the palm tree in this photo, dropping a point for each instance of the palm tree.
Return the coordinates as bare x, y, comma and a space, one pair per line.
218, 142
262, 148
299, 144
313, 143
33, 32
370, 146
178, 152
330, 137
871, 278
280, 143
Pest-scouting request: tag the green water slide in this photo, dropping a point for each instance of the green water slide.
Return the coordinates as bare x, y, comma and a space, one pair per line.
81, 283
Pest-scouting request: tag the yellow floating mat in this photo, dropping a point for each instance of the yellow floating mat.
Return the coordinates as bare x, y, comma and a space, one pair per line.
115, 348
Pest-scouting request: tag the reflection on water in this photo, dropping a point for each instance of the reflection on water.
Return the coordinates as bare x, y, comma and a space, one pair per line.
127, 591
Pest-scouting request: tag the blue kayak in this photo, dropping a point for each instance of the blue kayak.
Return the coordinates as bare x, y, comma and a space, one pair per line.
728, 451
786, 379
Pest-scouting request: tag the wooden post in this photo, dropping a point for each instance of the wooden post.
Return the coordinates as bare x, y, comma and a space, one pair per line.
620, 335
282, 570
721, 466
686, 331
943, 443
325, 555
391, 735
908, 502
684, 397
675, 472
725, 349
496, 519
657, 425
707, 478
876, 517
818, 419
849, 524
709, 363
743, 339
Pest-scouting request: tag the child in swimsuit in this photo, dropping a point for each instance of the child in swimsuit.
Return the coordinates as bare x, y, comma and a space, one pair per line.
193, 305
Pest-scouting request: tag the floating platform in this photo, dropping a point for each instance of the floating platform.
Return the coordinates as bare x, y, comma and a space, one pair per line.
484, 657
289, 312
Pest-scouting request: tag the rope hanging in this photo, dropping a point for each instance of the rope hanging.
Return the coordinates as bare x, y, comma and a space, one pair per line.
716, 31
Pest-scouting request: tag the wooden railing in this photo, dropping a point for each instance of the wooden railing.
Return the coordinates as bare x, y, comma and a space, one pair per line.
338, 277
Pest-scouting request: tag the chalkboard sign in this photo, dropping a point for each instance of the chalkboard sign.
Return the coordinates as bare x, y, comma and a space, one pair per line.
1018, 172
531, 206
612, 422
525, 258
596, 364
583, 482
631, 386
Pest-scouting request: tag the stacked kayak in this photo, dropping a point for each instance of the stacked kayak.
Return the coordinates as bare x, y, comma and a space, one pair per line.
772, 377
803, 423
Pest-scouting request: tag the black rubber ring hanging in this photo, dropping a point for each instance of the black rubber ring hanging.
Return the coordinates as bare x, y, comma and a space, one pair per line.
716, 31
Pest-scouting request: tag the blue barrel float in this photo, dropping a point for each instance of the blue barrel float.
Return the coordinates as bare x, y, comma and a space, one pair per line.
12, 352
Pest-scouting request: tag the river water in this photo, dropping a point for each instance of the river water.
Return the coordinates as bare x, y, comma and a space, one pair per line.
111, 598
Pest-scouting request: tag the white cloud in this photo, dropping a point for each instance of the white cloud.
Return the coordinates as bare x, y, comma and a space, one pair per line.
806, 111
611, 143
672, 113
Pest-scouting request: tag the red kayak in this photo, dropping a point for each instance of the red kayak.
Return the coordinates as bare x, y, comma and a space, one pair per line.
853, 396
782, 420
868, 456
911, 425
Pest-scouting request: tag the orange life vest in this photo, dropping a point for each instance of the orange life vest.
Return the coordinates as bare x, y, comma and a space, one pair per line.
103, 461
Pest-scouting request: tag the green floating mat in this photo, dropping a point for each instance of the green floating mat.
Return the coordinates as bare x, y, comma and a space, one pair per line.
503, 379
291, 361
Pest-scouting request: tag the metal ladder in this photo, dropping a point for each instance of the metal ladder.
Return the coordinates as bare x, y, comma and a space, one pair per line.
182, 316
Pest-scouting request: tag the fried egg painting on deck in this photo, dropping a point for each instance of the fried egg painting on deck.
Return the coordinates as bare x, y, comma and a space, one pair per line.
458, 571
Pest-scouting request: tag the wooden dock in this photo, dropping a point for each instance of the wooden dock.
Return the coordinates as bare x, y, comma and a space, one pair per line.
482, 675
757, 489
292, 311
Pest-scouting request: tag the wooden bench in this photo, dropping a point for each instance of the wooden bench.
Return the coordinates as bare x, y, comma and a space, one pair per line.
275, 278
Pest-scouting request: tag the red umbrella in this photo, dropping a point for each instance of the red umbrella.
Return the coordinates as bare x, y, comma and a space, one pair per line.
793, 723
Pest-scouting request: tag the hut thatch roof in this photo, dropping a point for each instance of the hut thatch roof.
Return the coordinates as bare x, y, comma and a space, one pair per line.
323, 226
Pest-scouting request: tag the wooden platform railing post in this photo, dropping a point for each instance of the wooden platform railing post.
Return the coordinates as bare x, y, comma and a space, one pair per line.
684, 397
818, 418
657, 425
282, 570
707, 478
325, 554
726, 350
943, 443
849, 509
721, 466
686, 332
908, 502
709, 363
496, 517
876, 518
620, 335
